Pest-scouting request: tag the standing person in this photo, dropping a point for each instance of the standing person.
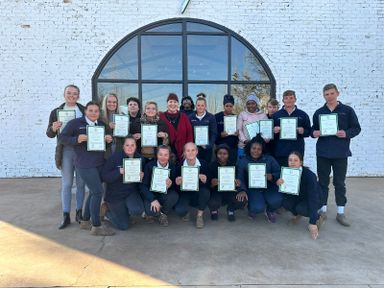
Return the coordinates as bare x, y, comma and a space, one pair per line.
222, 136
65, 156
134, 107
179, 126
308, 202
123, 199
88, 164
283, 146
333, 151
251, 113
200, 198
260, 200
222, 152
202, 117
272, 108
160, 204
187, 105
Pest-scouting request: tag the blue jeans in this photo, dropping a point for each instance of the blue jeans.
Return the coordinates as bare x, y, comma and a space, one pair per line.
119, 211
240, 153
92, 179
67, 172
264, 200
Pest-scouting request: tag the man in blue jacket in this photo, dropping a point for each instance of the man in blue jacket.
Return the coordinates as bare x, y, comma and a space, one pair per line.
333, 151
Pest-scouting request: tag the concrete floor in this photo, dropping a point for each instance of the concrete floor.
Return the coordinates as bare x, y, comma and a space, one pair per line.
34, 253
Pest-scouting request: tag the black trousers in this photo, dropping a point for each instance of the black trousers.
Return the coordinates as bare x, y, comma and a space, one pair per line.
198, 199
167, 202
339, 168
221, 198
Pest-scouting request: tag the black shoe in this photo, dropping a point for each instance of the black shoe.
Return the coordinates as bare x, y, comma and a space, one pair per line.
79, 215
215, 216
231, 217
66, 221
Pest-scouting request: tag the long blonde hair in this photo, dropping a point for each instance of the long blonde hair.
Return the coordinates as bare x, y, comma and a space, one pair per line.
104, 109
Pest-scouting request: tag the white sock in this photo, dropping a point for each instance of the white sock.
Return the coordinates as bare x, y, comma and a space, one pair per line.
340, 209
324, 209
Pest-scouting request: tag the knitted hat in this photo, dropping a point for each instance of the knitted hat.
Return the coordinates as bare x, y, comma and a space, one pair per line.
228, 99
253, 97
172, 96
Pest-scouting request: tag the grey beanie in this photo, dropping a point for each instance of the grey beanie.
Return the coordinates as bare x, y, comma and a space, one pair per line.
253, 97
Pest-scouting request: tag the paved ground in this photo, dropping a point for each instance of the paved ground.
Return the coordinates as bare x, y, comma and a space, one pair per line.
34, 253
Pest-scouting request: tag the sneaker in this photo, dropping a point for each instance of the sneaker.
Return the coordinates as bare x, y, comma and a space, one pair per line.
199, 221
342, 220
85, 224
186, 217
149, 219
102, 231
323, 215
214, 215
163, 220
231, 216
270, 216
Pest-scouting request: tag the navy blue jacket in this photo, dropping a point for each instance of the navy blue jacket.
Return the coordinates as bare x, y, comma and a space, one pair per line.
204, 169
214, 170
146, 185
272, 167
230, 140
116, 188
284, 147
208, 120
333, 147
69, 136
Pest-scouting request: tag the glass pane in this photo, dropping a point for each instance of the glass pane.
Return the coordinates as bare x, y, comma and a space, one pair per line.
159, 93
207, 57
161, 57
176, 27
245, 65
123, 91
241, 91
123, 64
197, 27
214, 92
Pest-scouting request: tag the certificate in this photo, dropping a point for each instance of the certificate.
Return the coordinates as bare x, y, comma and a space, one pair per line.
266, 128
190, 178
226, 179
95, 138
148, 135
201, 135
64, 116
328, 124
288, 126
121, 125
132, 169
252, 129
257, 175
291, 177
159, 180
230, 123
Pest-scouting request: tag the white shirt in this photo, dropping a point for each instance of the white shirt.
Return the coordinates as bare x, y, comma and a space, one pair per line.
197, 163
90, 123
202, 116
165, 167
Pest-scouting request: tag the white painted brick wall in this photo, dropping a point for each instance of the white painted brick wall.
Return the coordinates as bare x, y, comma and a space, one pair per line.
45, 45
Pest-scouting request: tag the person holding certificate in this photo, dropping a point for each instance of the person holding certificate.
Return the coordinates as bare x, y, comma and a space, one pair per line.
333, 151
272, 108
309, 200
149, 119
227, 196
226, 123
205, 129
134, 107
89, 163
159, 187
251, 114
193, 178
122, 199
187, 106
292, 125
258, 182
65, 155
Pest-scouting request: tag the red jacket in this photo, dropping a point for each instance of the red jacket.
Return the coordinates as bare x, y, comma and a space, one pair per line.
183, 134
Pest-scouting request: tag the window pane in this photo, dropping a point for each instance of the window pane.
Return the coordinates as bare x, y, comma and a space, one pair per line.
159, 93
214, 92
161, 57
207, 57
123, 91
123, 64
167, 28
197, 27
245, 65
240, 93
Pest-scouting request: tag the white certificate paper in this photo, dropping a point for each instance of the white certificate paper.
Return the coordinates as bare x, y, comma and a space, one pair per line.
132, 169
64, 116
257, 175
230, 123
288, 126
266, 128
226, 178
291, 177
159, 180
148, 135
121, 125
252, 129
190, 178
95, 138
328, 124
201, 135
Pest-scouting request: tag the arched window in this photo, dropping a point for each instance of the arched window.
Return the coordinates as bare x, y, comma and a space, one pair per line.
185, 56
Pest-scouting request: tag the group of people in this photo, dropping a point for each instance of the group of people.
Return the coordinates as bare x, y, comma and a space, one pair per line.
111, 197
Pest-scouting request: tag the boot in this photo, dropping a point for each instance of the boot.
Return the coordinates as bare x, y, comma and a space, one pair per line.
79, 215
66, 220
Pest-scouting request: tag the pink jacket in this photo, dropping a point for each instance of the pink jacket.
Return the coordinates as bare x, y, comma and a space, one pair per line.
246, 117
